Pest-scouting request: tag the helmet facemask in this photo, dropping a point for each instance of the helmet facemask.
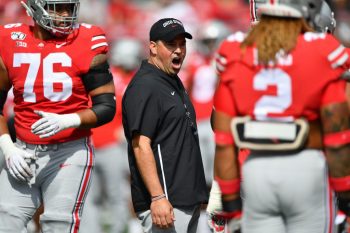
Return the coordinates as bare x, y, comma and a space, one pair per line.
56, 16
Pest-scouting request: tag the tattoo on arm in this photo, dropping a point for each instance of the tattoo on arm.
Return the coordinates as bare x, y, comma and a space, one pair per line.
335, 118
98, 60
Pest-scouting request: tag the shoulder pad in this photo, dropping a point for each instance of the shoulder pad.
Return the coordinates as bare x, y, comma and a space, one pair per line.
96, 36
231, 52
227, 53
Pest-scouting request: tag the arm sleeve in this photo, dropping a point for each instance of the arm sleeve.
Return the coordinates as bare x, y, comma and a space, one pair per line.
141, 110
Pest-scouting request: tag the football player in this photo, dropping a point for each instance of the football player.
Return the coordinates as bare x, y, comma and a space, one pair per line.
263, 83
54, 68
318, 15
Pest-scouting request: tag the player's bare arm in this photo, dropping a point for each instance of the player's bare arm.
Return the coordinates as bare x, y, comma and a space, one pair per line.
98, 81
5, 85
161, 209
14, 157
336, 125
226, 163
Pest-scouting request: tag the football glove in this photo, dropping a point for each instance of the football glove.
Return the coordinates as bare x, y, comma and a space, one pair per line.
221, 220
52, 123
216, 223
215, 203
16, 159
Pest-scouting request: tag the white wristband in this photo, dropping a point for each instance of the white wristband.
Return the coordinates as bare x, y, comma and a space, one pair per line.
72, 120
214, 204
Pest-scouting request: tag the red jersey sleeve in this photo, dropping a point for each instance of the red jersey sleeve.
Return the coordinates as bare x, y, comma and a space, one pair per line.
99, 43
338, 59
91, 43
223, 99
228, 52
337, 55
334, 93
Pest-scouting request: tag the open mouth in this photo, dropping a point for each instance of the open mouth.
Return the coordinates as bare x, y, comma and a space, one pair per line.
176, 62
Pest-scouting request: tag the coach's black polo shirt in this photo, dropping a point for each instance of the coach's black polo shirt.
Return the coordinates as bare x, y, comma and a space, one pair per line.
156, 105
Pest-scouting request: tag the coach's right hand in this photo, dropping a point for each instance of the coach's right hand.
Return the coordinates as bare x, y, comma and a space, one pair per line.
16, 159
162, 213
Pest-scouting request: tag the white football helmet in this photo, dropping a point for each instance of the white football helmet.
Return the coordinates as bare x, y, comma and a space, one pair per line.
211, 34
126, 53
44, 13
316, 12
291, 8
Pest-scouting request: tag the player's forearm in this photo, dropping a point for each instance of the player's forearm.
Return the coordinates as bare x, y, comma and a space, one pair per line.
147, 166
336, 128
226, 167
88, 118
338, 161
225, 163
3, 126
103, 107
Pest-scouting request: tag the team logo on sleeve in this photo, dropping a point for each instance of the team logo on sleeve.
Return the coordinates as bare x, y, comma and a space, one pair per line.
18, 36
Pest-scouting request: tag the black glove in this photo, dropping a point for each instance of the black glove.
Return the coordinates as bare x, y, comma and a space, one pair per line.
344, 205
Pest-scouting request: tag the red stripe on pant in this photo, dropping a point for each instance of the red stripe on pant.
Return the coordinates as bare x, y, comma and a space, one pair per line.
83, 189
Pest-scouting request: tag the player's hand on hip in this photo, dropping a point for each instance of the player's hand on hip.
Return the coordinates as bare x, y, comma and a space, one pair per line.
16, 159
162, 213
51, 123
17, 164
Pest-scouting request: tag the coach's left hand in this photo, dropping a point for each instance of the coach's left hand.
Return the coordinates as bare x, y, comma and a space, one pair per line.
52, 123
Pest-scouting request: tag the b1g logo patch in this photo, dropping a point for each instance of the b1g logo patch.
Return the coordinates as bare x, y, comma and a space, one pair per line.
18, 36
21, 44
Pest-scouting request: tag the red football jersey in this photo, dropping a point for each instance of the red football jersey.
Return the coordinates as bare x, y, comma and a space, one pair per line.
297, 86
203, 79
46, 75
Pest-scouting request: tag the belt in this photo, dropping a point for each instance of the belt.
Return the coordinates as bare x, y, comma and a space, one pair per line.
47, 147
313, 141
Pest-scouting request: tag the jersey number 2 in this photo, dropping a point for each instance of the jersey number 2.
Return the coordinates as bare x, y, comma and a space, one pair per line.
49, 76
269, 104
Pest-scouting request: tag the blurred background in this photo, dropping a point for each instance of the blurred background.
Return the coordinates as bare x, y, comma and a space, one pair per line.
132, 18
127, 24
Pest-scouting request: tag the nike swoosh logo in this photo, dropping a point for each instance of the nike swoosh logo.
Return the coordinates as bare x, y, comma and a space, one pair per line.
60, 45
172, 93
62, 165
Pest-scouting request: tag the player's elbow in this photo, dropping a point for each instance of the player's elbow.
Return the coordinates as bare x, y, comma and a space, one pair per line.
104, 106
